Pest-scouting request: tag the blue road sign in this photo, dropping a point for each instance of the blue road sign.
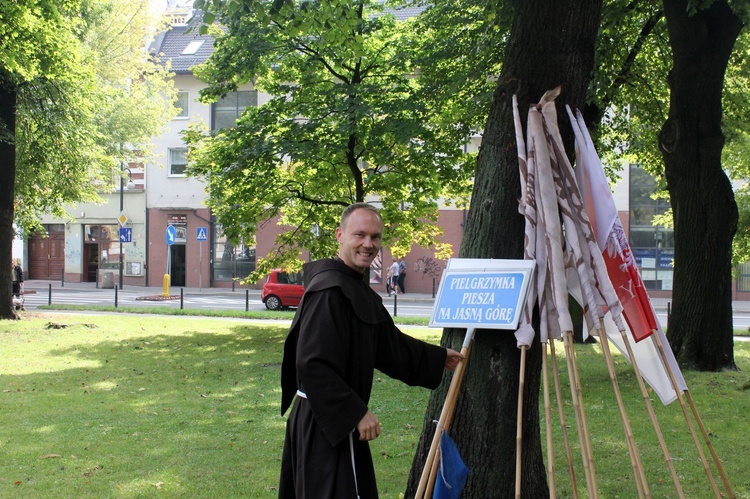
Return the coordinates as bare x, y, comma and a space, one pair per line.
170, 235
126, 235
201, 233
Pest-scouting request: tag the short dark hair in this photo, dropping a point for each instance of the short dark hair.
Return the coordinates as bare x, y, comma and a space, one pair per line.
358, 206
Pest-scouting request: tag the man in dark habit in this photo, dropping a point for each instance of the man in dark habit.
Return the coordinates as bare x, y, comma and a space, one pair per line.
340, 334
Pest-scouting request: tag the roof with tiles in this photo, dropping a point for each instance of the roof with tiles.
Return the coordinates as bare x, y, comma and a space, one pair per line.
184, 46
405, 13
176, 44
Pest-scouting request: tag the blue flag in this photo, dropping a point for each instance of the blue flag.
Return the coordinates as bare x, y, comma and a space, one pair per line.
453, 472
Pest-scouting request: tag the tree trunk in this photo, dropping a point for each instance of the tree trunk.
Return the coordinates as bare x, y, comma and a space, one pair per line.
551, 43
8, 174
705, 212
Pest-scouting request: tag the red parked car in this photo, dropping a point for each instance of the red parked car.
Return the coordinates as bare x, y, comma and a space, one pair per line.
282, 290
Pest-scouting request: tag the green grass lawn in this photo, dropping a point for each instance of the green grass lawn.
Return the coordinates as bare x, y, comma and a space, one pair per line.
125, 405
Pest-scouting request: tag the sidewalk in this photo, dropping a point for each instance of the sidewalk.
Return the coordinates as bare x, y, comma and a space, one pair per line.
41, 286
660, 304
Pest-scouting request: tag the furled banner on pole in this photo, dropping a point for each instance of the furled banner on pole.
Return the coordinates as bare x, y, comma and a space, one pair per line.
637, 308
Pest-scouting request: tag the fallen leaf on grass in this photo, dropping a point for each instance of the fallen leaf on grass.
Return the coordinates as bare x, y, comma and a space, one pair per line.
50, 456
91, 471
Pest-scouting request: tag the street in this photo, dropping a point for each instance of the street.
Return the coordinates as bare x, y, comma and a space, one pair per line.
409, 305
213, 298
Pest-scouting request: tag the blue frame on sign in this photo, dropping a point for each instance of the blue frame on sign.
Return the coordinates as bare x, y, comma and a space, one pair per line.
482, 293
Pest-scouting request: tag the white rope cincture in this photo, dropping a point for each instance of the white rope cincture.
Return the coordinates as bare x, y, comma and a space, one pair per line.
303, 395
354, 467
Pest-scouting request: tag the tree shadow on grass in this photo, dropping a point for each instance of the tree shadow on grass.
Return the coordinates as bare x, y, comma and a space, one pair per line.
191, 407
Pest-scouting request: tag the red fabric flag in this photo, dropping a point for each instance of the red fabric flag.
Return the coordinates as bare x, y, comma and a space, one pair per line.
627, 282
621, 267
637, 308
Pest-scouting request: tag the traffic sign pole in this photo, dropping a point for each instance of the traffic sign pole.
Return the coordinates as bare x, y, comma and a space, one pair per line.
170, 236
201, 234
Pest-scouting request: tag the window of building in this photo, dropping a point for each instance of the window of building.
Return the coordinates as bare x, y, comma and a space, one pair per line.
177, 161
230, 260
653, 246
103, 251
182, 103
193, 47
743, 277
227, 110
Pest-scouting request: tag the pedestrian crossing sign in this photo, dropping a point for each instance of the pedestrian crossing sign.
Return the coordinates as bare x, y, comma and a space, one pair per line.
201, 233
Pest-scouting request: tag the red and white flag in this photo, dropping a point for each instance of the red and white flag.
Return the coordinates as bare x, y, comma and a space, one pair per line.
610, 236
623, 273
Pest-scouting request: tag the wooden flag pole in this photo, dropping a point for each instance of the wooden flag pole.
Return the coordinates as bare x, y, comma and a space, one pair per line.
447, 422
519, 418
444, 423
561, 411
652, 415
635, 460
710, 446
681, 400
583, 431
548, 424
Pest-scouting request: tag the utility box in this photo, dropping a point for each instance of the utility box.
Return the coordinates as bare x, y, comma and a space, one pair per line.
108, 280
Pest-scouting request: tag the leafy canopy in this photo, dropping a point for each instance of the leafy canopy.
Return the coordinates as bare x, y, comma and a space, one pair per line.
347, 120
90, 97
455, 47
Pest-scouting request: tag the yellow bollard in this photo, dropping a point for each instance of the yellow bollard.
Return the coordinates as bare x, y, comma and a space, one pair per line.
165, 285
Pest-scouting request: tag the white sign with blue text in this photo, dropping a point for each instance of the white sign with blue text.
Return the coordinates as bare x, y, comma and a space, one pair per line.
482, 293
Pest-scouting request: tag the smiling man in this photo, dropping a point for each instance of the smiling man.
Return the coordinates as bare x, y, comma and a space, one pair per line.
339, 336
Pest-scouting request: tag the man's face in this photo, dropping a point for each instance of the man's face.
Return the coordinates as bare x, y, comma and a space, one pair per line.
359, 239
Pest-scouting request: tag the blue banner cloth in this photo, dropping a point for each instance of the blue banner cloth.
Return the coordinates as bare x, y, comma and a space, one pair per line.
453, 472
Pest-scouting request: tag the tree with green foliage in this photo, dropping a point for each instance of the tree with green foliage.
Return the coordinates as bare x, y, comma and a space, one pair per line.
625, 108
37, 50
550, 43
736, 128
346, 122
80, 97
702, 36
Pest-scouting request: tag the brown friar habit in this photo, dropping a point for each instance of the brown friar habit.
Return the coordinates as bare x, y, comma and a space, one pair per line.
340, 334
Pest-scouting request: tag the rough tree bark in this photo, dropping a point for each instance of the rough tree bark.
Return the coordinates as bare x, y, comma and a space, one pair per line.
8, 174
551, 43
705, 212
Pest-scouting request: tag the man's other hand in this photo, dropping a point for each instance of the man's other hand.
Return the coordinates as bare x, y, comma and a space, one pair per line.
452, 359
368, 427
